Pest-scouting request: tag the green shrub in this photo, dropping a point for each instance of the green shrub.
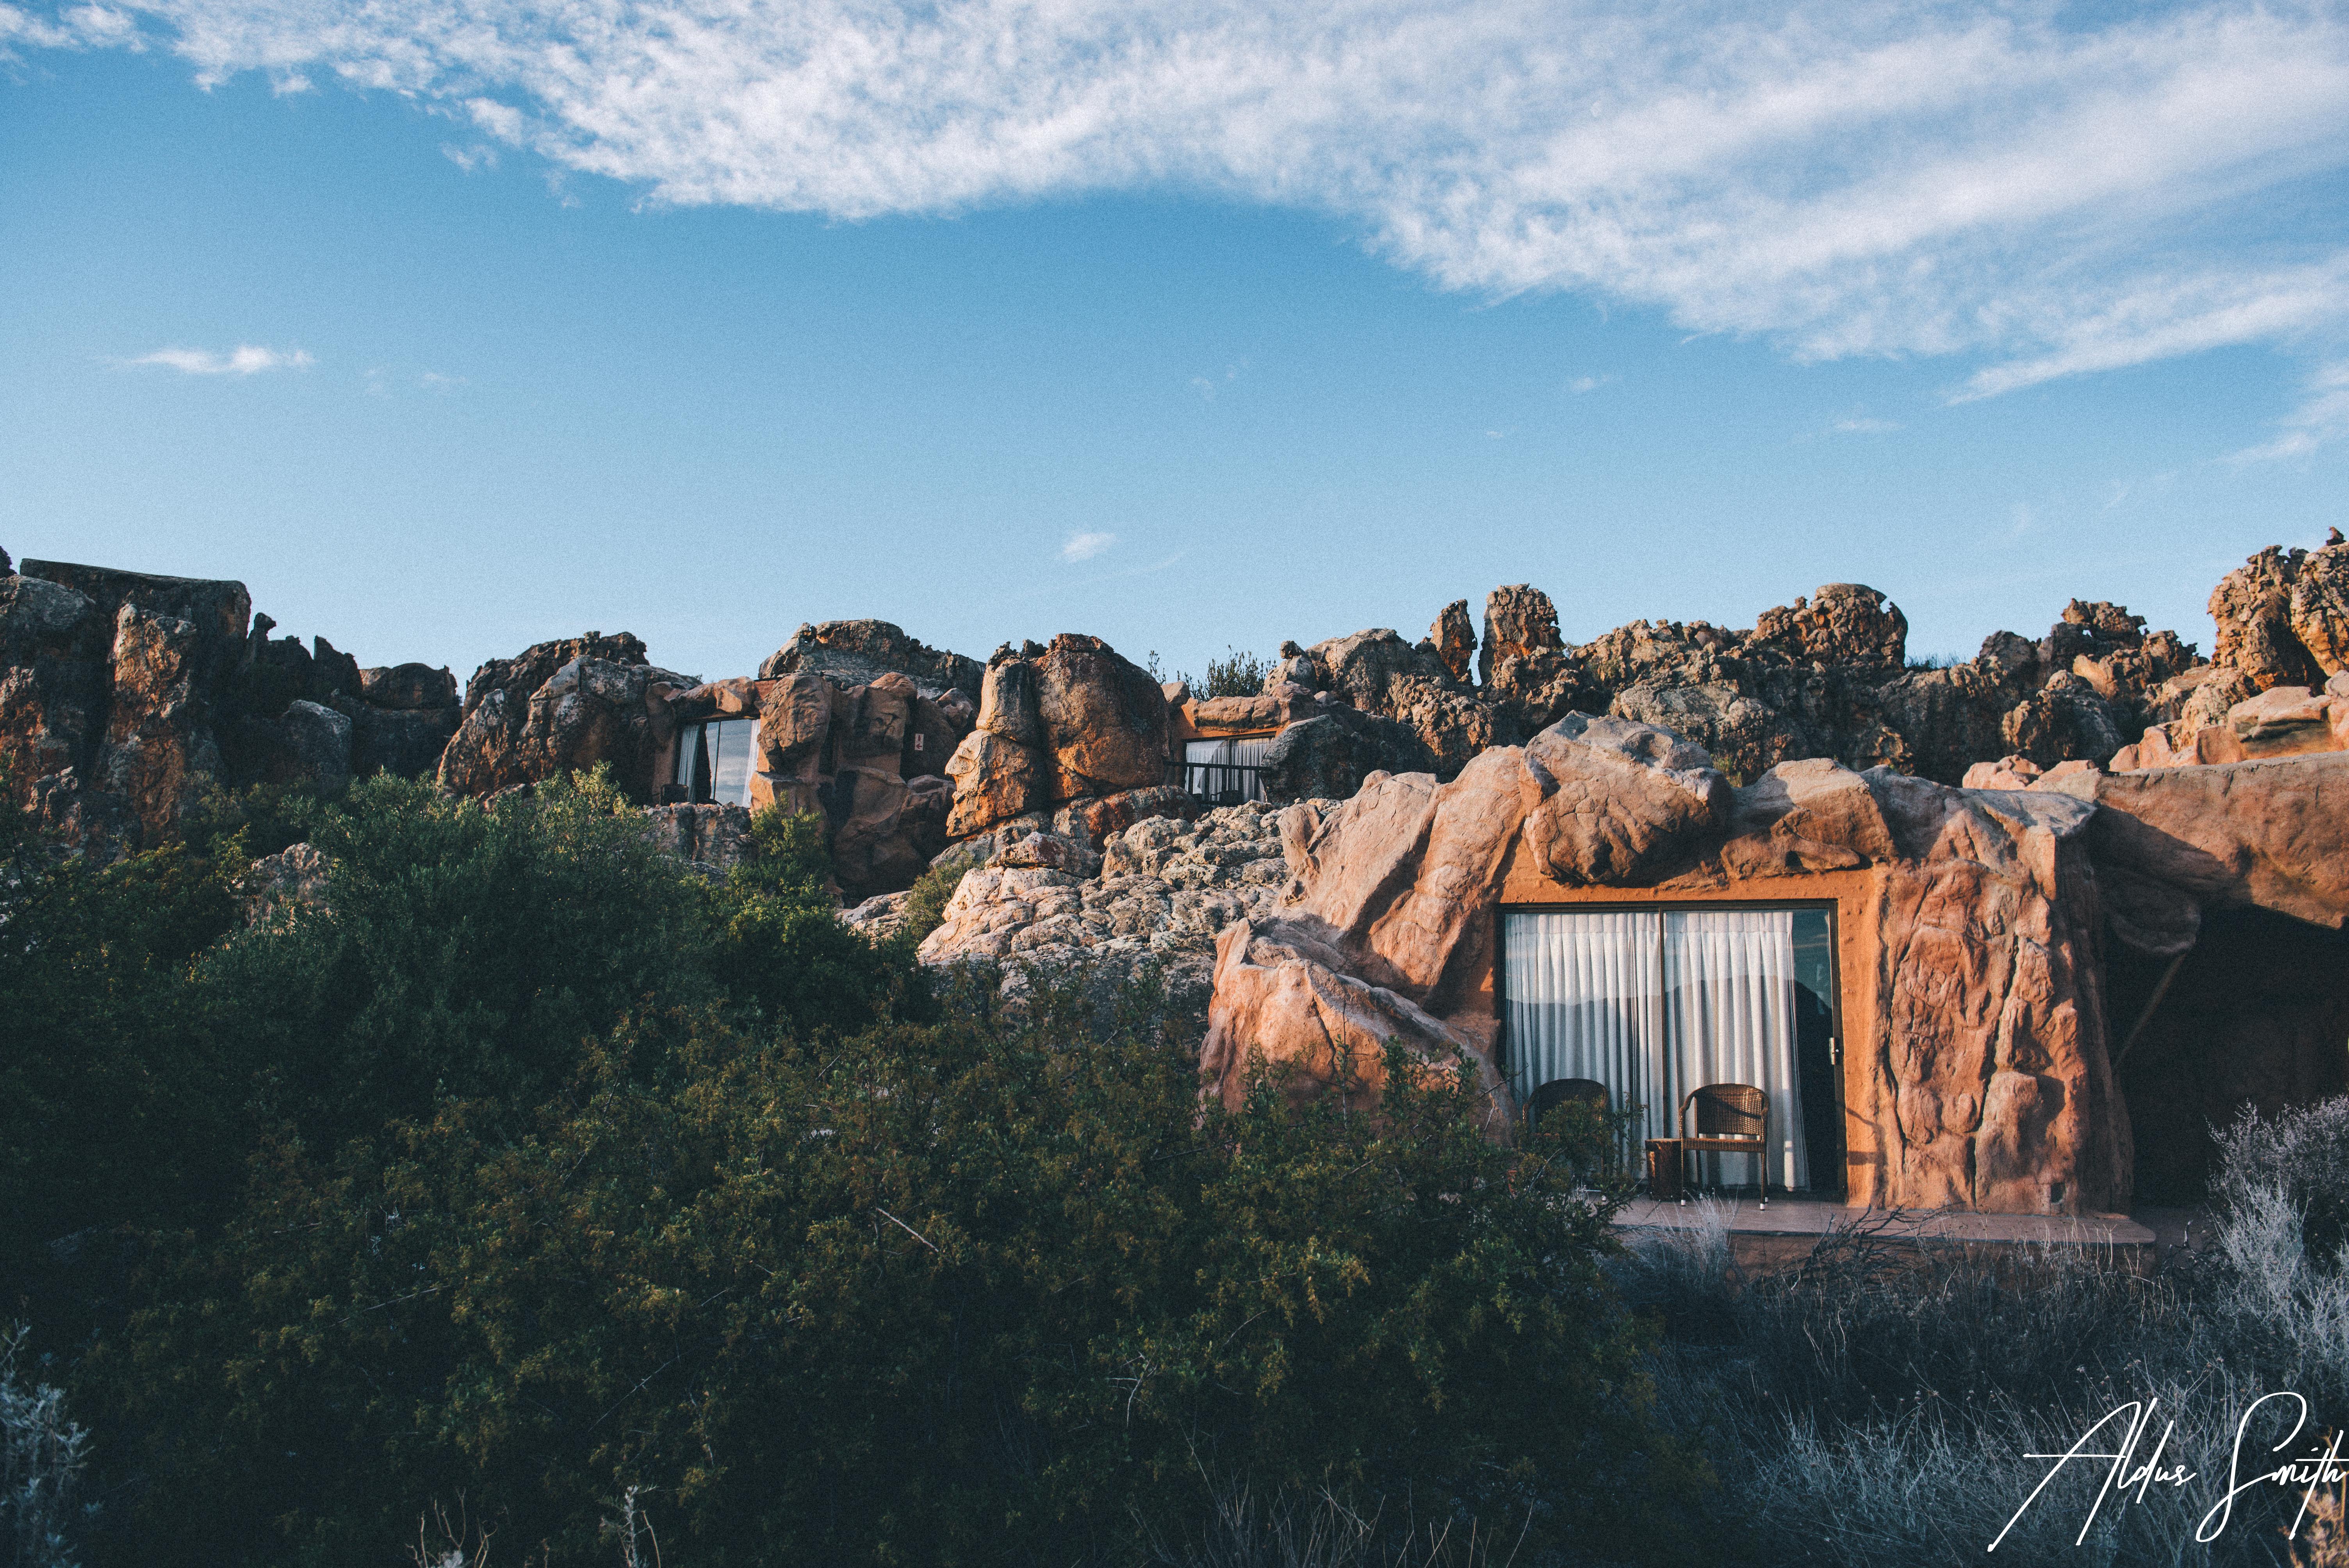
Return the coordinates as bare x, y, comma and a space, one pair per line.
927, 900
974, 1291
1236, 674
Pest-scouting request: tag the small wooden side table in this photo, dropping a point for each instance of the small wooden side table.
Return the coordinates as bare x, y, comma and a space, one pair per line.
1664, 1169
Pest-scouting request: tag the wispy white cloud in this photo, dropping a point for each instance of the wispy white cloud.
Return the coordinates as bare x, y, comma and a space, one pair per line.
433, 380
1582, 384
2321, 418
65, 27
2052, 194
1866, 427
1085, 546
245, 359
471, 156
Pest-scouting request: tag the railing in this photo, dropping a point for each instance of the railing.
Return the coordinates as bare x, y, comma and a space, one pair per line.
1218, 783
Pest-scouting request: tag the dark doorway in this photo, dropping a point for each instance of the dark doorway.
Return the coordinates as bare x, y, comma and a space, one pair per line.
2258, 1014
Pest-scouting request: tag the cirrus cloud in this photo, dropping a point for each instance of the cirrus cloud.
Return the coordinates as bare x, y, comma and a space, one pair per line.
245, 359
2048, 195
1085, 546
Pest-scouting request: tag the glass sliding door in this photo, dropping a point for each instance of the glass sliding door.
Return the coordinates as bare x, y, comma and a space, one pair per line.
1656, 1003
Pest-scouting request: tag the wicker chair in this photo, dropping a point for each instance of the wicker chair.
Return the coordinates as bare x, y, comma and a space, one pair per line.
1729, 1119
1557, 1092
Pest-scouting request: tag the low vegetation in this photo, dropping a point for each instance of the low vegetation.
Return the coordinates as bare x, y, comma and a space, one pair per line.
1878, 1403
524, 1182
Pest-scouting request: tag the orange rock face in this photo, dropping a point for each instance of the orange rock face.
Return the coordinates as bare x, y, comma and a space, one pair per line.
1070, 722
1980, 1070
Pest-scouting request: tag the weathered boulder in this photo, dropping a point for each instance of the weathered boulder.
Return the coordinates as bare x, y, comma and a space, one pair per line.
408, 687
1378, 673
2254, 608
2062, 720
1165, 888
2319, 609
559, 707
1283, 1003
320, 740
1843, 623
1332, 753
1519, 620
865, 759
1055, 724
855, 652
1627, 798
2271, 835
1452, 638
2282, 721
1522, 667
995, 779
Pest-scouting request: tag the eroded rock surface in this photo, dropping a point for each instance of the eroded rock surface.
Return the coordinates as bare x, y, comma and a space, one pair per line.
1989, 1082
1067, 722
124, 697
559, 707
1164, 890
855, 653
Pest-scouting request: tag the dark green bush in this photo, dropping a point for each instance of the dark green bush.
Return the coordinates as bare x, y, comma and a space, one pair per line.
526, 1167
1236, 674
927, 900
970, 1292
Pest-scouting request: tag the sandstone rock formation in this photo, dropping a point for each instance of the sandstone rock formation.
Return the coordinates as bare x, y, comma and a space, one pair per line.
2252, 607
2282, 721
855, 652
1452, 639
1989, 1086
1165, 887
864, 758
1825, 676
1058, 724
123, 697
558, 706
1331, 754
1849, 624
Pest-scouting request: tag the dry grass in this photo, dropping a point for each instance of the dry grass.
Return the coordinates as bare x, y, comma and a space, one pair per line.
1877, 1405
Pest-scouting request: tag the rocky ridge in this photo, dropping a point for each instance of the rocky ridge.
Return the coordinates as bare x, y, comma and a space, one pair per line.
125, 696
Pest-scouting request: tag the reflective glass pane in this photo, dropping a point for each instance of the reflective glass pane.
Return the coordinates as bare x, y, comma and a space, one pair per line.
729, 761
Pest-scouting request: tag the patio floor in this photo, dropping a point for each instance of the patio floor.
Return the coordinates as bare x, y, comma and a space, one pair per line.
1808, 1217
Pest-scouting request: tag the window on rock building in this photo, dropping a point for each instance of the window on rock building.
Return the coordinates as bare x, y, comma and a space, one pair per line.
1227, 771
713, 761
1656, 1002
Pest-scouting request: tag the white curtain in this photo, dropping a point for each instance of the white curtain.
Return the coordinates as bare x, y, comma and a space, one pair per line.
1730, 1019
1583, 1002
1654, 1005
1246, 751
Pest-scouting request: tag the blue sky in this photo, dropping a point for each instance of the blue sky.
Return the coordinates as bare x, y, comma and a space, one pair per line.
448, 327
